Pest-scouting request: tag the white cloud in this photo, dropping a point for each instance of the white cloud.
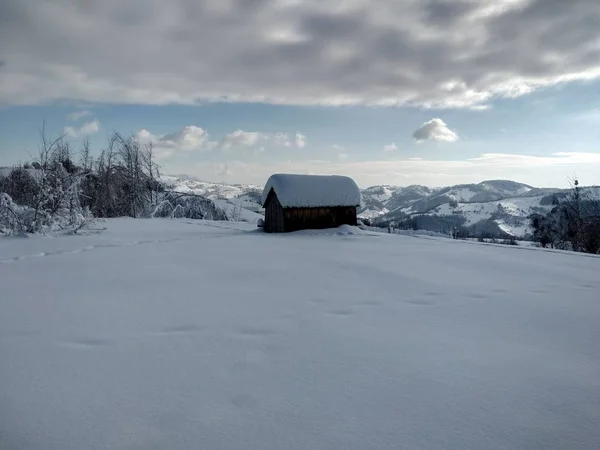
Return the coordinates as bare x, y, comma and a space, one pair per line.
343, 156
280, 139
300, 140
240, 139
390, 148
193, 138
188, 139
435, 53
338, 147
75, 116
84, 130
223, 170
435, 130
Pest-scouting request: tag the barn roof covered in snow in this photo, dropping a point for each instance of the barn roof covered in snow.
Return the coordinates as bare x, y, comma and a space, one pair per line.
312, 191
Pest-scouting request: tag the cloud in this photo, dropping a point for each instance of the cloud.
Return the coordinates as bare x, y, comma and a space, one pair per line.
390, 148
280, 139
84, 130
543, 171
435, 130
240, 139
300, 140
434, 53
224, 170
343, 156
338, 147
75, 116
192, 138
188, 139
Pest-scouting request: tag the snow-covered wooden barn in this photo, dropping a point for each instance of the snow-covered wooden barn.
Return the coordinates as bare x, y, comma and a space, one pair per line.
297, 202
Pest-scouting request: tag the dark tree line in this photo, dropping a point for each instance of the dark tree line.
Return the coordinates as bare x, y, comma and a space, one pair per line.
573, 223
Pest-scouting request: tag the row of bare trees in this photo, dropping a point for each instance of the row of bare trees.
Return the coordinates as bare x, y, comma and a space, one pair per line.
61, 189
122, 181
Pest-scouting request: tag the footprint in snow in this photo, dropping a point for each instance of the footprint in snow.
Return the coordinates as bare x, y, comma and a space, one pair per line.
87, 343
477, 296
182, 329
369, 303
540, 291
255, 332
341, 312
419, 302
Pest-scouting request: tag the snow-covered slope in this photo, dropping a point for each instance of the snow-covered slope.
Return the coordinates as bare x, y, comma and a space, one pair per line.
471, 205
421, 199
240, 210
497, 207
164, 334
209, 190
510, 215
239, 201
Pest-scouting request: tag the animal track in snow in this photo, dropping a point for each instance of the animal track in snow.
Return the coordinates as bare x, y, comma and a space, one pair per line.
368, 303
341, 312
86, 343
421, 302
182, 329
540, 291
255, 332
114, 245
477, 296
432, 294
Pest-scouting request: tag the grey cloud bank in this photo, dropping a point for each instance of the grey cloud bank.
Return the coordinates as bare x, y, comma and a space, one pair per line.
433, 53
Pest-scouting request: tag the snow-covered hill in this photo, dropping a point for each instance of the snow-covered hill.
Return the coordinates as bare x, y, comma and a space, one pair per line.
212, 191
421, 199
239, 201
494, 207
187, 334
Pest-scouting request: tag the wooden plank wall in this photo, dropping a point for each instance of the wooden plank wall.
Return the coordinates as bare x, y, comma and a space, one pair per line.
318, 218
279, 220
274, 217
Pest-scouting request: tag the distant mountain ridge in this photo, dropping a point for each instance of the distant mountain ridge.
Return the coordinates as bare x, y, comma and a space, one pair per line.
493, 207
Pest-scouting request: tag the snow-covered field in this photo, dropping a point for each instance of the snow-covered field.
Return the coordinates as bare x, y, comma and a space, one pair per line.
164, 334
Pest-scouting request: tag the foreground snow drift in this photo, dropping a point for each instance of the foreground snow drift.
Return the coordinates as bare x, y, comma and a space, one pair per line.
196, 335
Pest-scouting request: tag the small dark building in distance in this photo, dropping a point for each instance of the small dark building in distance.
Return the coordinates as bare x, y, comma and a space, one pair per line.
299, 202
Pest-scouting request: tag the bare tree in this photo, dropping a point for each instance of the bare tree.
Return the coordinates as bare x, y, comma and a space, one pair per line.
85, 158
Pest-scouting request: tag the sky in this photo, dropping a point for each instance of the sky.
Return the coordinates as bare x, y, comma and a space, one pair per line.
433, 92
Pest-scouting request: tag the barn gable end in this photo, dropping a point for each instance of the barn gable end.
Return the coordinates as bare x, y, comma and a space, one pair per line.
297, 202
